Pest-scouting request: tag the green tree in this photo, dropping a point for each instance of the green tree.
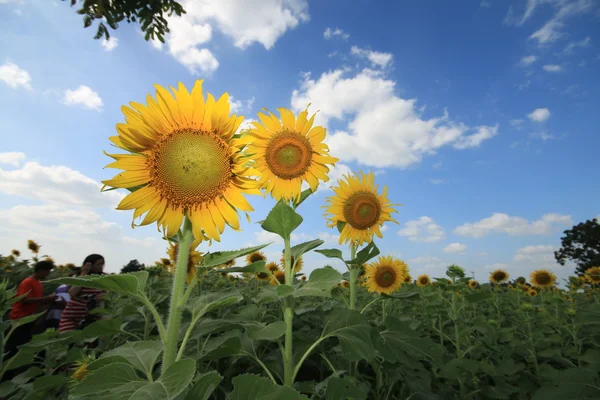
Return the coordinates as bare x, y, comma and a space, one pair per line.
132, 266
581, 245
149, 13
455, 272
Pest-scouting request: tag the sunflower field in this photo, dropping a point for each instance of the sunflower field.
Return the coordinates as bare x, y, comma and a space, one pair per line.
235, 325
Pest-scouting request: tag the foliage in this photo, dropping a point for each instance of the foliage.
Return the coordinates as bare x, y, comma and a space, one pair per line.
132, 266
149, 13
581, 245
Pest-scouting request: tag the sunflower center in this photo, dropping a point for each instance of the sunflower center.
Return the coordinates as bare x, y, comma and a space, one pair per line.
288, 155
190, 167
543, 278
385, 277
423, 281
262, 275
362, 210
499, 276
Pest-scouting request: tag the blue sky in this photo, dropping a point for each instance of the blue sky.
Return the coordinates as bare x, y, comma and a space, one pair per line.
478, 116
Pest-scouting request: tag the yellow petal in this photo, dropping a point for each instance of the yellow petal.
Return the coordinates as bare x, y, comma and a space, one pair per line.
128, 179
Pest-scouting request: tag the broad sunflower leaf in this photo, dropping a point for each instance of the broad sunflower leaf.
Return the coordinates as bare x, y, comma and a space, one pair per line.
353, 331
272, 331
365, 255
254, 387
131, 283
255, 268
103, 327
282, 220
204, 386
320, 283
331, 253
141, 355
221, 257
571, 384
344, 388
481, 295
43, 385
212, 301
226, 345
284, 290
116, 381
170, 384
305, 247
398, 340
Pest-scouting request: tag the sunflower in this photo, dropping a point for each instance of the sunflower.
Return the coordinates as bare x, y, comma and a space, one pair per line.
279, 278
593, 275
33, 246
358, 203
81, 372
16, 253
473, 284
297, 264
423, 280
263, 276
184, 159
345, 284
166, 262
542, 278
532, 292
407, 277
10, 258
498, 276
272, 267
386, 275
255, 256
194, 259
524, 288
510, 286
288, 152
49, 259
303, 278
70, 266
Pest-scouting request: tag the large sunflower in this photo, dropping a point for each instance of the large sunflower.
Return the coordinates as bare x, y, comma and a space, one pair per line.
498, 276
183, 159
423, 280
357, 202
194, 259
256, 256
593, 275
542, 278
296, 264
386, 275
288, 152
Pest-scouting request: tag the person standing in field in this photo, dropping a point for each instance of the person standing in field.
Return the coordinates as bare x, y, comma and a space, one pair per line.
55, 312
82, 299
32, 288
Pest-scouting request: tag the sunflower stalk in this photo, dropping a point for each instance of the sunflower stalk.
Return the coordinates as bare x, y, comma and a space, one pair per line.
175, 307
288, 316
354, 270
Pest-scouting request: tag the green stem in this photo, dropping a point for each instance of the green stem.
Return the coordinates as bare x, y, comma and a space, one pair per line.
175, 307
353, 277
161, 328
288, 317
369, 305
383, 310
306, 354
264, 367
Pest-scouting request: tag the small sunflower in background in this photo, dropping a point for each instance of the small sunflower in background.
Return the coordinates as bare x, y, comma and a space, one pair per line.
423, 280
524, 288
33, 246
385, 275
288, 152
358, 203
194, 259
297, 264
263, 276
345, 284
532, 292
255, 256
542, 278
272, 267
16, 253
184, 158
499, 276
279, 278
473, 284
70, 266
303, 278
49, 259
593, 275
510, 287
407, 278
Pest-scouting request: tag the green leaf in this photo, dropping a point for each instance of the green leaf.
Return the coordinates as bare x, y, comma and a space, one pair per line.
305, 247
43, 385
353, 332
340, 226
114, 381
282, 220
365, 255
320, 283
255, 268
212, 301
344, 389
170, 384
303, 196
284, 290
131, 283
226, 345
102, 327
221, 257
570, 384
270, 332
142, 355
22, 321
254, 387
331, 253
479, 296
399, 340
205, 385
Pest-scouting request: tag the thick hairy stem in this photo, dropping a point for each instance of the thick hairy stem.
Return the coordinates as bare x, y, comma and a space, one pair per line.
354, 269
175, 307
288, 317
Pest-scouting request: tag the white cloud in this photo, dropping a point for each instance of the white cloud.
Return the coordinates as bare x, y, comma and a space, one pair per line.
455, 248
438, 165
56, 185
240, 106
517, 123
384, 131
423, 229
524, 85
564, 9
514, 226
552, 68
84, 96
581, 44
336, 173
427, 264
110, 44
539, 115
485, 4
536, 255
437, 181
12, 158
528, 60
14, 76
264, 237
377, 59
548, 33
330, 33
496, 266
329, 238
